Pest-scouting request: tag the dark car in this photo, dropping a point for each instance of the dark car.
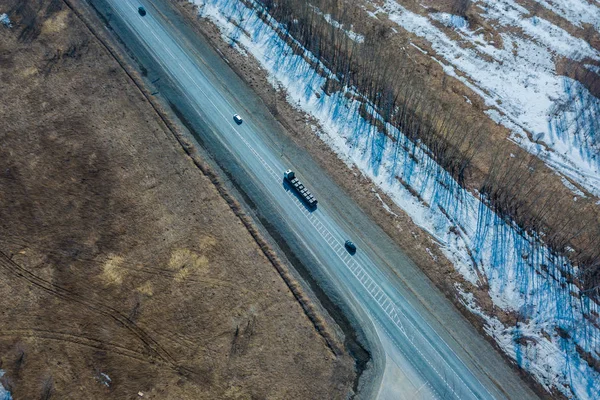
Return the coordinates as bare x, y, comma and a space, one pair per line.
142, 11
351, 247
238, 120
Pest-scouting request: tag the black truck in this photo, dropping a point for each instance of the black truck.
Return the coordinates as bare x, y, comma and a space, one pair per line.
304, 193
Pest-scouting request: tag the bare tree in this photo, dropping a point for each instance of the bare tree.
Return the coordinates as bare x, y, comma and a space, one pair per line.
391, 86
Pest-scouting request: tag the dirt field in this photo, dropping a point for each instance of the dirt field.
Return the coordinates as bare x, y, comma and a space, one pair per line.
122, 268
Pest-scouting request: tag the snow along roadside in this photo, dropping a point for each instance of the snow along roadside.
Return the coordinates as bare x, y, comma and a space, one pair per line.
518, 81
523, 276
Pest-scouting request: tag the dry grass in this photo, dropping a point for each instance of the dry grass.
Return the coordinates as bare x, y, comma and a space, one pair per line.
118, 256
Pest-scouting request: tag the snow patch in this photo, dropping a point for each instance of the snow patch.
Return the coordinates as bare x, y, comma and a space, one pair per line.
572, 187
538, 347
433, 256
418, 48
450, 20
4, 394
593, 68
104, 379
385, 206
577, 12
4, 20
357, 37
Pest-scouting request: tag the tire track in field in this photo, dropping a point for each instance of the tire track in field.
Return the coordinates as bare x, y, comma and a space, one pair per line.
76, 339
164, 336
145, 269
155, 348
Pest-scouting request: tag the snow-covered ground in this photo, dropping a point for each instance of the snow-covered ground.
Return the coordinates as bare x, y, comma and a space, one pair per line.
518, 79
577, 12
4, 394
522, 276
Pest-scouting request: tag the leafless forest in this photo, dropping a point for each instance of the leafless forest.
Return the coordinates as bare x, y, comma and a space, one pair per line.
400, 93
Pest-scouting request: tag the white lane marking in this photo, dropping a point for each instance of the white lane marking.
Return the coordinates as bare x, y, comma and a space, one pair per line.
390, 311
410, 360
418, 390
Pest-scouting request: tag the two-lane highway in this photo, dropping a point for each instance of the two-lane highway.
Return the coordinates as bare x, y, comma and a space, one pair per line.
423, 359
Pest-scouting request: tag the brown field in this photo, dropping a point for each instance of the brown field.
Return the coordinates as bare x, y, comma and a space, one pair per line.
123, 269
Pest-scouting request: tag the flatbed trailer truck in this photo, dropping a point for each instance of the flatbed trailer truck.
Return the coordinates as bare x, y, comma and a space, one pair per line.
299, 187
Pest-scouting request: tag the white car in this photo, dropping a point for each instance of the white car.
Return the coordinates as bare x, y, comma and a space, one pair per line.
238, 120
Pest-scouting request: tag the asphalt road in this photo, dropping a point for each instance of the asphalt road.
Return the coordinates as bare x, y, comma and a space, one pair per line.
429, 350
